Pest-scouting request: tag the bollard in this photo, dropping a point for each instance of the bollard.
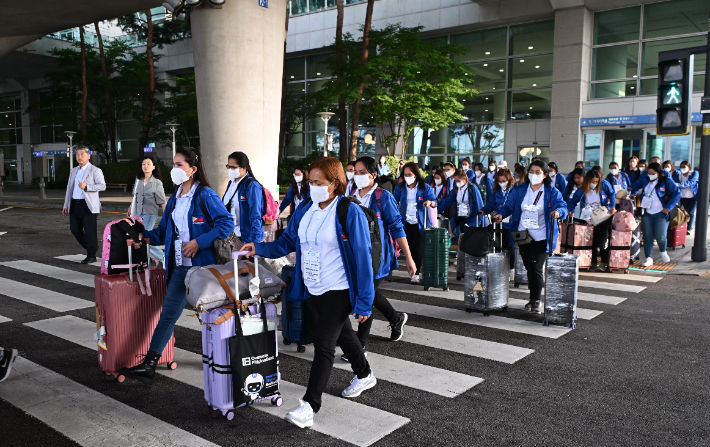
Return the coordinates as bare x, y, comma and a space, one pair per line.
41, 189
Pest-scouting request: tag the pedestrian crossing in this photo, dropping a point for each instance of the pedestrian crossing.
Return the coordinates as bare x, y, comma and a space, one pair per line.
38, 296
77, 258
51, 271
4, 319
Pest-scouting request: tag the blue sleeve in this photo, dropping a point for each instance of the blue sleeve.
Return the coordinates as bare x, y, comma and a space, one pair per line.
490, 202
470, 174
627, 179
447, 201
692, 180
610, 194
477, 200
640, 183
359, 233
254, 199
572, 203
222, 223
675, 195
391, 216
288, 198
562, 184
288, 241
507, 208
429, 193
157, 236
558, 202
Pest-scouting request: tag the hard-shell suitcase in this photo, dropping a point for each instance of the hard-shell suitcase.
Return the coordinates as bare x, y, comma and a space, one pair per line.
460, 262
620, 250
577, 239
298, 318
521, 273
561, 281
435, 263
676, 236
126, 318
636, 243
487, 280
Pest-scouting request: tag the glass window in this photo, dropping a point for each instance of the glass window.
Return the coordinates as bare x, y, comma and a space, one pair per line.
128, 130
617, 89
485, 44
674, 18
295, 69
530, 71
435, 142
535, 37
527, 154
318, 5
296, 89
592, 149
315, 86
366, 139
8, 136
680, 149
615, 62
651, 50
317, 68
295, 146
314, 143
476, 138
299, 6
485, 107
698, 139
530, 104
699, 83
127, 150
618, 25
489, 75
655, 146
649, 86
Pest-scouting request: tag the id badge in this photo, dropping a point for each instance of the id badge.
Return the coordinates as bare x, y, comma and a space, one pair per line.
617, 188
530, 217
463, 209
646, 202
178, 252
311, 266
411, 211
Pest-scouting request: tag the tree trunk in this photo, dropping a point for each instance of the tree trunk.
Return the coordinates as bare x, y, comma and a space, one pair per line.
284, 85
148, 113
342, 110
112, 150
83, 83
361, 87
425, 139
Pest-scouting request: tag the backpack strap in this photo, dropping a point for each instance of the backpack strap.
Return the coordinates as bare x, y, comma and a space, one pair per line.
342, 211
251, 180
198, 193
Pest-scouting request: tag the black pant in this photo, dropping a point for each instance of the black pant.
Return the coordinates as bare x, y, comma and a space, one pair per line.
82, 223
414, 239
533, 256
383, 305
333, 325
600, 242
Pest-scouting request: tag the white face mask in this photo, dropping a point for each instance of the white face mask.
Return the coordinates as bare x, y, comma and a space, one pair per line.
179, 176
362, 181
410, 180
491, 168
614, 171
535, 179
552, 174
319, 193
382, 162
652, 177
437, 181
641, 169
235, 174
478, 173
465, 168
503, 185
593, 187
350, 175
449, 173
460, 184
684, 170
298, 178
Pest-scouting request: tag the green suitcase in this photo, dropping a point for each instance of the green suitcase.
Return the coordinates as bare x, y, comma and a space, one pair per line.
435, 265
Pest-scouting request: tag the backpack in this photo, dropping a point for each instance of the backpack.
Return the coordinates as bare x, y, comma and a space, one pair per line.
626, 204
482, 189
624, 221
378, 199
372, 223
115, 250
271, 212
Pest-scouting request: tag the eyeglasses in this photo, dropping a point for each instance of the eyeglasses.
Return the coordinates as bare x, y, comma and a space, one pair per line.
232, 167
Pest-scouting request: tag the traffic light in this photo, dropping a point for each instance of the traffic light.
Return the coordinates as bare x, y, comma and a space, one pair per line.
674, 88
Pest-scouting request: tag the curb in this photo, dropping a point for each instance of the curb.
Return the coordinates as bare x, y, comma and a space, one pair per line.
59, 206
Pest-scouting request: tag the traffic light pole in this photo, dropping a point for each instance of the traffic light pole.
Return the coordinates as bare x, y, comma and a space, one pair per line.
699, 252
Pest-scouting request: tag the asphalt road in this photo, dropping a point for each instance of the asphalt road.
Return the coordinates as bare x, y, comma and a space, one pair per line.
634, 375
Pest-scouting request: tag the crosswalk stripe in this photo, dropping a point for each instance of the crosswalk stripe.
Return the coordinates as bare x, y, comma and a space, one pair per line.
87, 417
4, 319
51, 271
77, 258
457, 295
478, 319
41, 297
623, 277
2, 233
581, 296
340, 418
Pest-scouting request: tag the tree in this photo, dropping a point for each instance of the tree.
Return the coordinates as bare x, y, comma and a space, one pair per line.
85, 91
342, 110
179, 108
112, 149
361, 87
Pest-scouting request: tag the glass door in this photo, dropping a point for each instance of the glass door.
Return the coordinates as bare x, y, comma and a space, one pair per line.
655, 146
621, 145
527, 153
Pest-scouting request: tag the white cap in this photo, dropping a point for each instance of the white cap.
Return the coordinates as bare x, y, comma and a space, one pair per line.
502, 164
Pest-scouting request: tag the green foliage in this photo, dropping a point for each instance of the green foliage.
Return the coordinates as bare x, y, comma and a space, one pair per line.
299, 107
179, 108
165, 32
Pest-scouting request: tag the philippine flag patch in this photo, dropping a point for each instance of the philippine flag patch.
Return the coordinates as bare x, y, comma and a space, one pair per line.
244, 198
198, 220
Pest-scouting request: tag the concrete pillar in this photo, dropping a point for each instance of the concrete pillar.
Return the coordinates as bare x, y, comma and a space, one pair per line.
570, 84
239, 53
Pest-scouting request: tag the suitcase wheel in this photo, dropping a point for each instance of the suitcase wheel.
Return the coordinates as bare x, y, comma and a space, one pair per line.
458, 278
446, 289
301, 348
505, 309
287, 341
545, 323
486, 313
171, 365
572, 326
120, 378
469, 310
229, 415
426, 288
277, 401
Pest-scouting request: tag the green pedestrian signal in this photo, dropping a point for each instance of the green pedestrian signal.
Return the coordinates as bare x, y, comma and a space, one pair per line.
672, 114
673, 96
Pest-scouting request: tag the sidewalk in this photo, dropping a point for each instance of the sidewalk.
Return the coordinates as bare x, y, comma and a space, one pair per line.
113, 200
681, 256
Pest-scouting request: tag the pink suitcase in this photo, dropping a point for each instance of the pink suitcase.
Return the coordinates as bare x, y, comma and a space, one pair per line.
575, 238
620, 250
676, 236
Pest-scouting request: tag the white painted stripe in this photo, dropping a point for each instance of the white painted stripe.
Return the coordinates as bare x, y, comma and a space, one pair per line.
611, 286
457, 295
4, 319
51, 271
77, 258
581, 296
478, 319
41, 297
340, 418
5, 209
622, 277
89, 418
3, 233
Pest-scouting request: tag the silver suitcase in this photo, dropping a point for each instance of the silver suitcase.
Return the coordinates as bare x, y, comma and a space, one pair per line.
561, 281
521, 273
487, 281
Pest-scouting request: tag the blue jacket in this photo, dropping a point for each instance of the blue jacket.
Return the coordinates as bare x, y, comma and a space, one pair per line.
560, 183
632, 175
471, 174
607, 197
623, 180
391, 224
489, 183
475, 203
291, 194
201, 231
692, 183
553, 202
427, 194
357, 263
662, 188
441, 194
251, 209
495, 202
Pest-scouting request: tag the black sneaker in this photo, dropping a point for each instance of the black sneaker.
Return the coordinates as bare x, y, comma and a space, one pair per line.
345, 359
8, 358
89, 260
397, 328
528, 305
535, 307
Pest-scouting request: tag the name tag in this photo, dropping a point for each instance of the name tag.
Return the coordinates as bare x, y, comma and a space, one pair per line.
311, 266
463, 209
530, 217
411, 211
646, 202
178, 252
617, 188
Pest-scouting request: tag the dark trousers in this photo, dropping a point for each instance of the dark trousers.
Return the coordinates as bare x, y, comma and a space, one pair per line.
533, 256
82, 223
600, 242
333, 325
689, 203
414, 239
383, 305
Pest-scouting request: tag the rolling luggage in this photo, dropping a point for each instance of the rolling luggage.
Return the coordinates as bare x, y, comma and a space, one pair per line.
435, 262
298, 318
476, 241
460, 262
636, 242
676, 236
521, 273
487, 280
561, 280
577, 239
620, 250
127, 312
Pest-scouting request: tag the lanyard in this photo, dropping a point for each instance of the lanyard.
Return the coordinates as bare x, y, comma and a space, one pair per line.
464, 196
537, 198
321, 224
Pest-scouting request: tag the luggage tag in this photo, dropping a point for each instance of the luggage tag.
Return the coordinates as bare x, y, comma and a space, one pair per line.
530, 217
311, 266
178, 252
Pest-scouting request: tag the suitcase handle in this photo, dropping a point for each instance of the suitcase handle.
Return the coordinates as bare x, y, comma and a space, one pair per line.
553, 222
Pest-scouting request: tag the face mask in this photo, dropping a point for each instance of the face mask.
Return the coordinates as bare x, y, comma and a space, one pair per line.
449, 173
478, 173
652, 177
641, 169
503, 185
437, 181
410, 180
350, 175
179, 176
667, 168
460, 184
382, 162
614, 171
535, 179
684, 170
298, 178
491, 168
319, 194
593, 187
552, 174
235, 174
362, 181
465, 168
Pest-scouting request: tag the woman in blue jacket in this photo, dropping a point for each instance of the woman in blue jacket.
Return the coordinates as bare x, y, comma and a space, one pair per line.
503, 185
618, 179
297, 192
438, 184
556, 179
194, 217
414, 196
334, 269
468, 200
687, 180
244, 199
534, 207
660, 195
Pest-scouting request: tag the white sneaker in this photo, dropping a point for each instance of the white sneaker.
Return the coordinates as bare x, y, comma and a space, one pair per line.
301, 416
665, 257
415, 279
357, 386
648, 262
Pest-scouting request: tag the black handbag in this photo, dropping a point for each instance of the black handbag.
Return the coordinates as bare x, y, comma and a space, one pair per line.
521, 237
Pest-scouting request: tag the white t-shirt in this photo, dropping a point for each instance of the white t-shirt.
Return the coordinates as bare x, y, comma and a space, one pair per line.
539, 233
686, 192
438, 189
235, 204
593, 196
649, 192
365, 200
181, 218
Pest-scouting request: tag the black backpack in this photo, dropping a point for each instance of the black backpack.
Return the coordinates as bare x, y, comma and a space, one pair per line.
118, 253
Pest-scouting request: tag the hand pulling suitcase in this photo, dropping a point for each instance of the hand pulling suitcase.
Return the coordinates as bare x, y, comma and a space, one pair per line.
487, 280
561, 280
620, 251
578, 240
126, 318
298, 318
676, 236
435, 264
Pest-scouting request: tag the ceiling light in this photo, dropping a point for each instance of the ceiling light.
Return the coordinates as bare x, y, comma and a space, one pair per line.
292, 77
530, 48
635, 76
530, 108
537, 66
633, 88
303, 89
464, 100
418, 72
534, 85
317, 74
501, 70
486, 110
486, 98
494, 88
488, 52
522, 60
485, 65
465, 74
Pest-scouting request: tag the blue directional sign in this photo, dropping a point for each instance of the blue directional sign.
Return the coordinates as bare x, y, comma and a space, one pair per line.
264, 3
